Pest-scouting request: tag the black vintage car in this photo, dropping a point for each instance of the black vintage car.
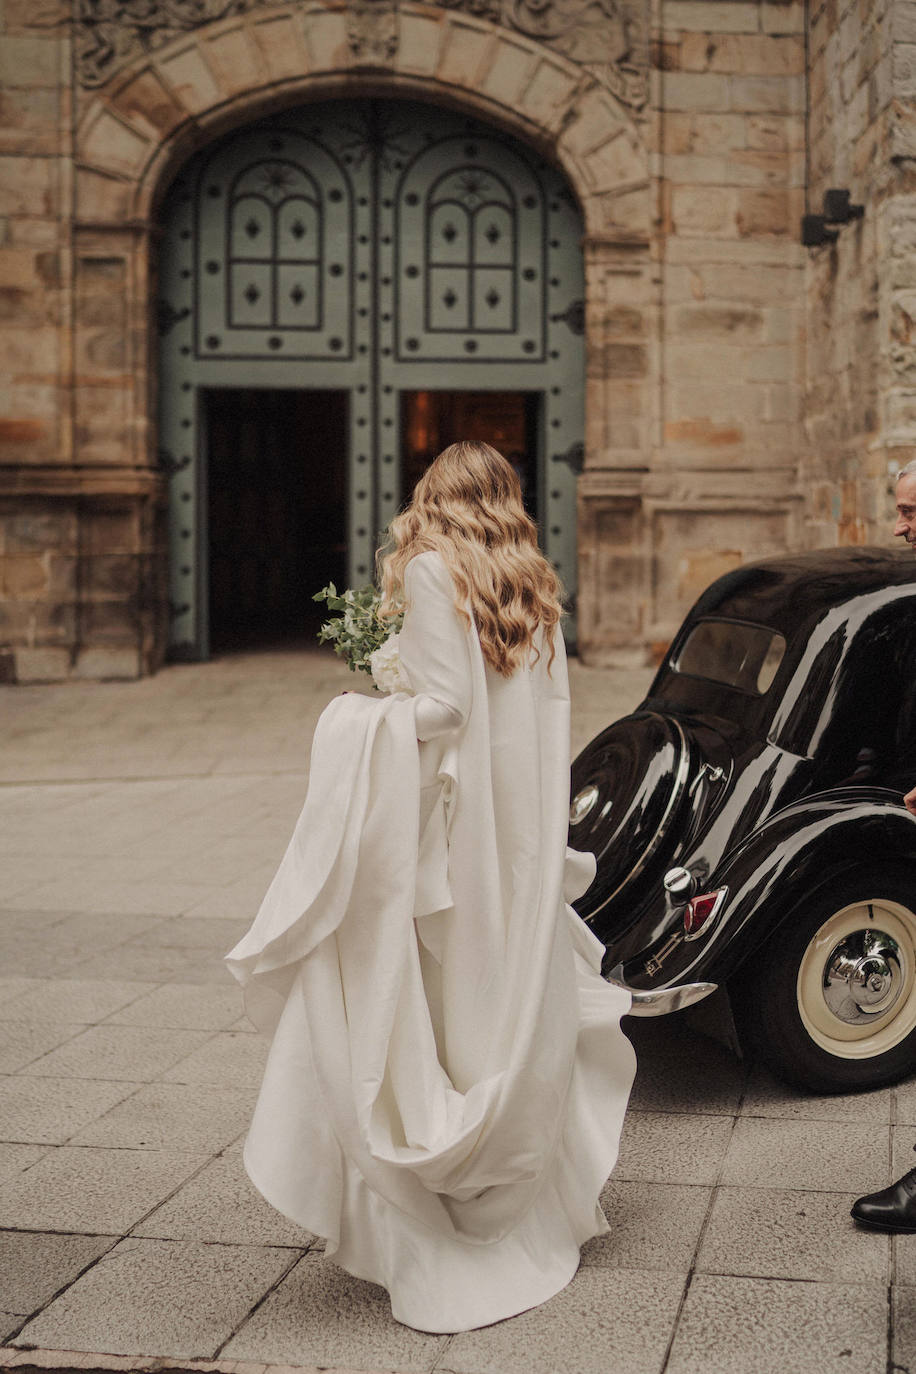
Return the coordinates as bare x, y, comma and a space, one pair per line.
748, 820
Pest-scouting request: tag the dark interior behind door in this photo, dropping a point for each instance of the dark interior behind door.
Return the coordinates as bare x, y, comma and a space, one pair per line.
276, 505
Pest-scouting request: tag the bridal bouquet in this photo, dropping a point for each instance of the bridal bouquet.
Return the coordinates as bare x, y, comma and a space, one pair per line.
358, 633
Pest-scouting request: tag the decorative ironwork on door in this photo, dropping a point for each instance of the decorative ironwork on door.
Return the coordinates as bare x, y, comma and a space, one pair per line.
379, 248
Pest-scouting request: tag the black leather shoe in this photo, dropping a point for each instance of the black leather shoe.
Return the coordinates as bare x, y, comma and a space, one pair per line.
893, 1209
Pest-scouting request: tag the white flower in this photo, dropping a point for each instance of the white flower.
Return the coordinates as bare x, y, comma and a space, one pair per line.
388, 673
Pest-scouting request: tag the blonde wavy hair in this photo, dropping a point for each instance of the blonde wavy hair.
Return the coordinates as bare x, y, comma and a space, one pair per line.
468, 507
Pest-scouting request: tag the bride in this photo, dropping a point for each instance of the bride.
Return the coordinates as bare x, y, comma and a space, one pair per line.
447, 1079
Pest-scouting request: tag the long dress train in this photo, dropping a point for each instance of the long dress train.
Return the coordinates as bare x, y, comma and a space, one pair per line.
447, 1079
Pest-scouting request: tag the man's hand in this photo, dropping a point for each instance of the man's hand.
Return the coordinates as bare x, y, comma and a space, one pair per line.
909, 802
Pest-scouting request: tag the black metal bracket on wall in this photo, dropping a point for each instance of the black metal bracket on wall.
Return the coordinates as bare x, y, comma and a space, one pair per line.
825, 228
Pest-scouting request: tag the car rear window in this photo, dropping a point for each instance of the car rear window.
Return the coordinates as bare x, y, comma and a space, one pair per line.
733, 653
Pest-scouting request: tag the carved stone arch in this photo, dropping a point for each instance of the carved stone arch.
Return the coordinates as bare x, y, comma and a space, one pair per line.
161, 106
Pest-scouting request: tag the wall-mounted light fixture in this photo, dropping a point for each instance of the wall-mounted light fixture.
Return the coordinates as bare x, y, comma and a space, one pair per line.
818, 229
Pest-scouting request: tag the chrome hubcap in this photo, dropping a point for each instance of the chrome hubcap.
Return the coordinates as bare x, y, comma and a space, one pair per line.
582, 803
856, 984
863, 977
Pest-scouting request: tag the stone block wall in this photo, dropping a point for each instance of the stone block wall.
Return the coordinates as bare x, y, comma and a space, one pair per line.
81, 587
81, 530
34, 100
694, 468
37, 541
730, 160
38, 560
860, 403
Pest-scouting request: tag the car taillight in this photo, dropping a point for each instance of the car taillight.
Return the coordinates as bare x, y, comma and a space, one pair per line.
701, 910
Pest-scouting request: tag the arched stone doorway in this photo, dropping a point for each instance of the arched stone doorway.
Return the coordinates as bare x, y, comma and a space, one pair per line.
158, 107
344, 288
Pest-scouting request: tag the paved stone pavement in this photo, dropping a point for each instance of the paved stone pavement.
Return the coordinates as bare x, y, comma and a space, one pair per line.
139, 826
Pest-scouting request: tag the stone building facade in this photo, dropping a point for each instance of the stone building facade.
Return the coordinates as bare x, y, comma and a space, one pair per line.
743, 394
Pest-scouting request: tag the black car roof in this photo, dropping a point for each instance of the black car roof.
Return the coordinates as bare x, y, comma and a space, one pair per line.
787, 591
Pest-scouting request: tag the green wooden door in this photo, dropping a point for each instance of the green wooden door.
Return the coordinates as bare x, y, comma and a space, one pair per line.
379, 249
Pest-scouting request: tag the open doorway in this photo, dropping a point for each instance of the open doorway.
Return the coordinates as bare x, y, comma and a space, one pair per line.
430, 420
276, 511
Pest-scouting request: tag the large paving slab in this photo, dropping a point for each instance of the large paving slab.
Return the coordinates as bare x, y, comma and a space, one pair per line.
903, 1341
183, 1298
766, 1096
229, 1058
50, 1111
832, 1156
23, 1043
652, 1225
605, 1322
675, 1074
904, 1263
135, 1053
220, 1205
92, 1190
790, 1234
761, 1326
71, 999
172, 1116
181, 1007
321, 1315
15, 1158
673, 1147
36, 1266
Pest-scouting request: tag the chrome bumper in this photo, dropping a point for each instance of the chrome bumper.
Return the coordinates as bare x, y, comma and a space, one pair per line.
664, 1000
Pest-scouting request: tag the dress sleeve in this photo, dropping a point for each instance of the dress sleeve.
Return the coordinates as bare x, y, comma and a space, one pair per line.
434, 649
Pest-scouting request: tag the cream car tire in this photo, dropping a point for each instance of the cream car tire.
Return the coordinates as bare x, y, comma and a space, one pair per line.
829, 1004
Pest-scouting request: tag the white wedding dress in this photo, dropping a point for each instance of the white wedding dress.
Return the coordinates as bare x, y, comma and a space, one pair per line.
447, 1080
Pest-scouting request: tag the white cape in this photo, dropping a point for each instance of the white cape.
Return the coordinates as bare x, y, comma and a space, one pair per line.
447, 1080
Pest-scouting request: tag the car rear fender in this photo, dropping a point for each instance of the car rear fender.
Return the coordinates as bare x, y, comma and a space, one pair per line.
800, 851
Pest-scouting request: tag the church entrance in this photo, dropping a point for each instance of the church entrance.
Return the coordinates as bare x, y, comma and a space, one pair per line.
506, 419
345, 288
275, 512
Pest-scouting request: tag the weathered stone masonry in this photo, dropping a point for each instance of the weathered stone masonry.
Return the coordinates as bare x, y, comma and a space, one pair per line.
743, 394
860, 403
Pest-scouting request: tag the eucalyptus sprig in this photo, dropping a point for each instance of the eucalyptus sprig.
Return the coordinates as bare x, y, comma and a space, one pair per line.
356, 629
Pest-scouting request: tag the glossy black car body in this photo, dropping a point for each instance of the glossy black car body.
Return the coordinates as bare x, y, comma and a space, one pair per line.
768, 762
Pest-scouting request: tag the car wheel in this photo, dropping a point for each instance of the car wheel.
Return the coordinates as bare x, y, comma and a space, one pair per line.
830, 1003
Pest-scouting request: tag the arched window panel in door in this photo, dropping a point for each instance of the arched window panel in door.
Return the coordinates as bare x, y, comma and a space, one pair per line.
471, 243
250, 291
448, 233
251, 235
300, 264
299, 296
494, 236
448, 299
272, 201
299, 229
493, 302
